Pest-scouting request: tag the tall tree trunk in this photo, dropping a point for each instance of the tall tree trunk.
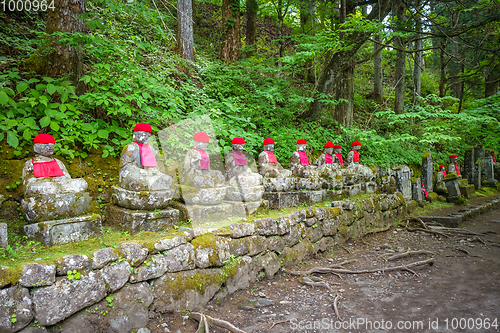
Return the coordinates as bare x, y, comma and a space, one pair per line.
308, 20
378, 89
231, 28
491, 78
185, 42
62, 59
455, 69
418, 63
338, 61
399, 98
281, 18
252, 9
345, 84
442, 69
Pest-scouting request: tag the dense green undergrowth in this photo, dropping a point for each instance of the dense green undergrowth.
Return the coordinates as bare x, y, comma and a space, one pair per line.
133, 75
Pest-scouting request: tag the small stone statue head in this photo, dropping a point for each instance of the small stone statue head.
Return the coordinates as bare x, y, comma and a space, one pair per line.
268, 144
442, 168
356, 145
337, 149
329, 148
142, 133
453, 159
238, 145
301, 145
44, 144
201, 140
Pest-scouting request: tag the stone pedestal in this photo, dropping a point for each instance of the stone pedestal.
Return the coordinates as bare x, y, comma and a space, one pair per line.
139, 220
309, 184
427, 172
351, 190
453, 187
279, 184
144, 200
48, 207
206, 216
369, 187
333, 184
246, 194
244, 209
65, 231
467, 190
203, 196
278, 200
403, 181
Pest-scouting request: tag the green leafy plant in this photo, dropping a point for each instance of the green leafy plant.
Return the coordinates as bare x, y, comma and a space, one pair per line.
73, 275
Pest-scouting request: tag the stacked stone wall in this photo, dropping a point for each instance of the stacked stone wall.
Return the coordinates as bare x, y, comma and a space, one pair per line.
117, 290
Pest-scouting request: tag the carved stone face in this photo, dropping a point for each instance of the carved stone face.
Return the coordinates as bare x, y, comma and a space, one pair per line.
329, 151
200, 145
356, 148
442, 169
237, 148
44, 149
142, 137
338, 150
269, 147
301, 147
454, 160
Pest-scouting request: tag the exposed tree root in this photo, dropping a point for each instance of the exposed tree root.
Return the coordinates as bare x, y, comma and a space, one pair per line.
279, 322
317, 284
348, 271
202, 318
374, 231
406, 254
336, 309
464, 255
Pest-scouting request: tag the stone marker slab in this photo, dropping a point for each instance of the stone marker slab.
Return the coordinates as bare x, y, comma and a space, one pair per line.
209, 214
65, 231
140, 220
4, 240
403, 181
50, 206
144, 200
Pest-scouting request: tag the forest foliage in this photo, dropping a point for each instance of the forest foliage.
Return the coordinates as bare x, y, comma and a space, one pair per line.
133, 74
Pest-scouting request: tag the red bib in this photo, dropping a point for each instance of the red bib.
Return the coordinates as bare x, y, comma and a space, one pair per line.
444, 173
456, 169
356, 156
328, 158
205, 161
271, 157
240, 159
147, 157
46, 169
339, 156
425, 191
494, 159
303, 158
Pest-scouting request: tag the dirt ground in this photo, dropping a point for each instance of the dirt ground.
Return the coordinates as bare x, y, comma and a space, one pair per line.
458, 293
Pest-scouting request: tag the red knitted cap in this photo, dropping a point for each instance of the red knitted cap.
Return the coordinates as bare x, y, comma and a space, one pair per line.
356, 143
238, 141
337, 146
492, 151
268, 141
301, 142
201, 137
329, 145
441, 166
143, 127
44, 138
453, 156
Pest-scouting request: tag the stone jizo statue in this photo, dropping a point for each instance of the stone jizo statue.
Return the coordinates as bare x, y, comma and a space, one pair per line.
138, 167
197, 170
453, 167
338, 155
300, 163
493, 156
326, 158
237, 169
353, 156
268, 163
47, 175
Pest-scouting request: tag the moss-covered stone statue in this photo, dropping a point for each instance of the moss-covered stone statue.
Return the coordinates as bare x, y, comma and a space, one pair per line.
244, 184
142, 185
353, 156
200, 184
50, 191
440, 186
452, 166
276, 178
301, 168
338, 159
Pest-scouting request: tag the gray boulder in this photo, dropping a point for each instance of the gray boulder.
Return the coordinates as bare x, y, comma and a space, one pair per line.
16, 304
102, 257
36, 275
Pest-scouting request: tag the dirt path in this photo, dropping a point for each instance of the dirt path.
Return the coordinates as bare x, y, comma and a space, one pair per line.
454, 291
